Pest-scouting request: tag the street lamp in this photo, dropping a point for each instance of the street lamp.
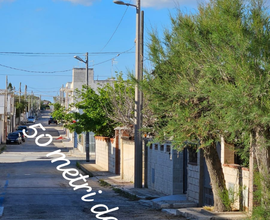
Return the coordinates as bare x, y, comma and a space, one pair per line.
87, 133
123, 3
138, 96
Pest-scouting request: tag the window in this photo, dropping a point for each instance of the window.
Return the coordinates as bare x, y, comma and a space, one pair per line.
161, 147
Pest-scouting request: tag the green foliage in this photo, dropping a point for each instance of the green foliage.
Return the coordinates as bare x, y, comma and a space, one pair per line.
93, 117
118, 100
20, 106
2, 148
10, 87
261, 210
189, 72
57, 106
227, 200
211, 75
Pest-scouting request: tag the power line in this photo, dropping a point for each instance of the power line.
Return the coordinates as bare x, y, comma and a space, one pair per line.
61, 71
43, 88
38, 54
127, 51
116, 28
32, 71
33, 75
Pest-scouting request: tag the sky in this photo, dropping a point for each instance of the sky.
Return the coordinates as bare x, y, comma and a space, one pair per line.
39, 39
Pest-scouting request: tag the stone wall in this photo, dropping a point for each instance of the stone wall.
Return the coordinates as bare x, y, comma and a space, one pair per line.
105, 153
165, 169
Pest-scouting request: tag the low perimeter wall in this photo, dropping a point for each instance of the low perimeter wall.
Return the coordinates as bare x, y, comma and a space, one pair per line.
237, 182
165, 169
105, 153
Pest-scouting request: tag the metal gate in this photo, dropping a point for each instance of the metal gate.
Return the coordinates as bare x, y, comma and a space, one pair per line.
208, 198
185, 171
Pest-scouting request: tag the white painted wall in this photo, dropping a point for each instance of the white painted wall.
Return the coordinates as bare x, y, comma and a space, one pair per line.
105, 153
165, 169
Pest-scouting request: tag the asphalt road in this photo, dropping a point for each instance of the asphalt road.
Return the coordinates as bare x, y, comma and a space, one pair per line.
32, 188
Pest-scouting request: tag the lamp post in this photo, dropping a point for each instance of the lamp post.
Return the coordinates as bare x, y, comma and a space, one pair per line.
138, 96
87, 133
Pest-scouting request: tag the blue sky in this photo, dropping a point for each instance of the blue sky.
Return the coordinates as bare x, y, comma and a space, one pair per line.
47, 34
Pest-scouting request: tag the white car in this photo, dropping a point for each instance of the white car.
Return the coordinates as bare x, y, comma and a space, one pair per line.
31, 119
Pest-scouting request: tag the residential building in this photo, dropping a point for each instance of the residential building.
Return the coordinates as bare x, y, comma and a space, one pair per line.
7, 106
67, 94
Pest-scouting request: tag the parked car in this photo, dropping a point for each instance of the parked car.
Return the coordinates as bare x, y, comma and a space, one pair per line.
52, 120
22, 127
31, 119
21, 133
14, 138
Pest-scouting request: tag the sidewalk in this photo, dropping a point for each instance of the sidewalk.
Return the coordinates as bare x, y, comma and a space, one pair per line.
2, 147
174, 204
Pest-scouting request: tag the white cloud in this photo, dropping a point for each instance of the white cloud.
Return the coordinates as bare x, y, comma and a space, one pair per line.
81, 2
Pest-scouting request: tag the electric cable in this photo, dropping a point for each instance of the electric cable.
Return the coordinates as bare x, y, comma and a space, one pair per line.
61, 71
116, 28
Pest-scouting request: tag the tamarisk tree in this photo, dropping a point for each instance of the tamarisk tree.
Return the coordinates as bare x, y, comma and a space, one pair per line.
211, 78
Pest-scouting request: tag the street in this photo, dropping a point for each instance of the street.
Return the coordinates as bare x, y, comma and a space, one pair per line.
32, 188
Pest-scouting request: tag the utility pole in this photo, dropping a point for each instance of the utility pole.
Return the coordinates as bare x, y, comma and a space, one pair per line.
20, 93
87, 132
29, 106
20, 102
138, 95
62, 95
5, 110
251, 176
138, 103
39, 102
25, 98
141, 96
87, 84
32, 103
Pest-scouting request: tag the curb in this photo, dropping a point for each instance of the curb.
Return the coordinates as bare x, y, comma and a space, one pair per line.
81, 167
201, 214
115, 188
2, 148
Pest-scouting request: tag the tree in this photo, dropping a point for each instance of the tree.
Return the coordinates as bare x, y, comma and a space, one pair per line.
10, 88
195, 66
93, 117
246, 97
120, 104
120, 101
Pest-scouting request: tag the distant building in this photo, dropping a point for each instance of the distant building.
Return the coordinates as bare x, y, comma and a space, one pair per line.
11, 114
67, 97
